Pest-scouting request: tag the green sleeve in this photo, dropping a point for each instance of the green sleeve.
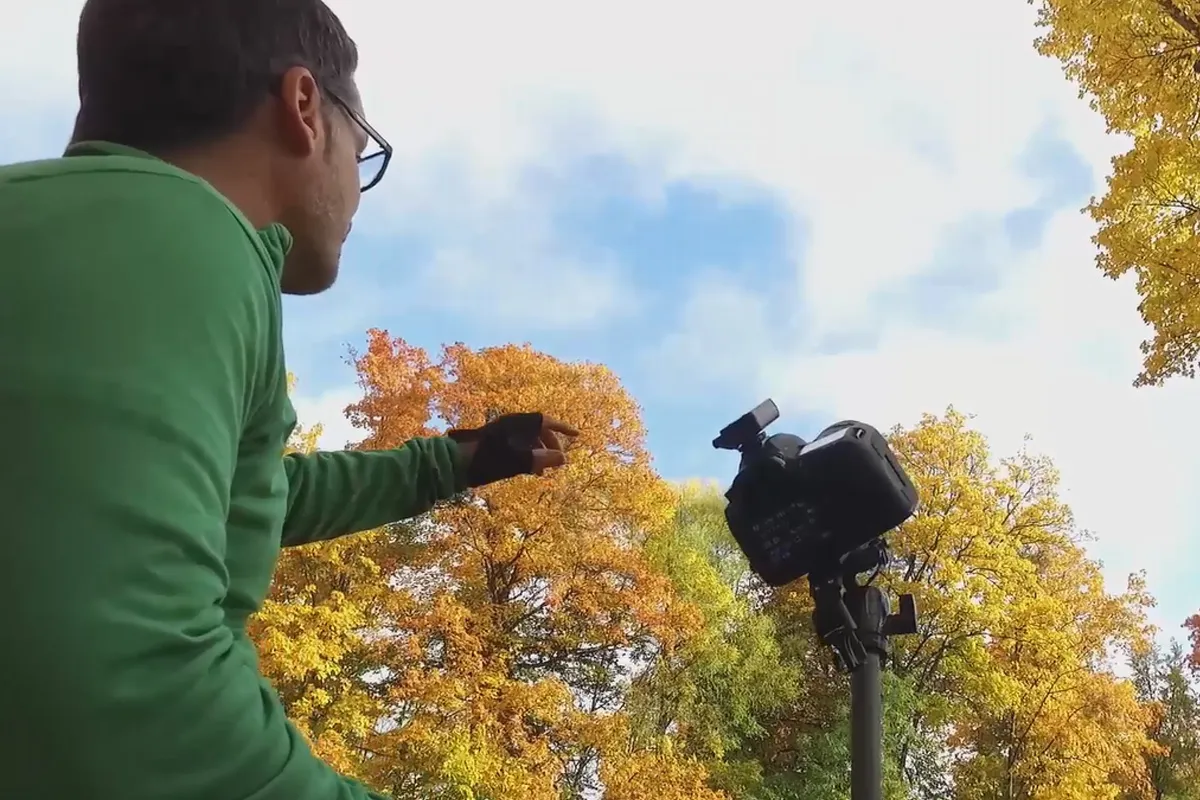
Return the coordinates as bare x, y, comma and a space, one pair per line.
132, 340
332, 494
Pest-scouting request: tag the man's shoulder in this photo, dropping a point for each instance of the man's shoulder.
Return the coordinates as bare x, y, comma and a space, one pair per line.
141, 193
127, 179
98, 165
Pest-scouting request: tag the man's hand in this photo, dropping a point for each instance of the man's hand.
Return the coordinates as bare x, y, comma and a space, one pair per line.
514, 444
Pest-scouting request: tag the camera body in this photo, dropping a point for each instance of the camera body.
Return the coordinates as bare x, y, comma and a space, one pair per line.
801, 508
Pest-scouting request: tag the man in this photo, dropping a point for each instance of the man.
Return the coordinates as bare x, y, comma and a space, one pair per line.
215, 162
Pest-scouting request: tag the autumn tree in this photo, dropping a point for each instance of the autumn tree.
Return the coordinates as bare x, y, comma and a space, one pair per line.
598, 633
1137, 60
486, 650
1193, 628
1014, 656
1008, 690
1139, 63
1009, 681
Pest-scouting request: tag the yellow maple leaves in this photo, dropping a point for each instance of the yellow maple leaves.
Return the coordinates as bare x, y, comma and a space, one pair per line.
1137, 61
1017, 628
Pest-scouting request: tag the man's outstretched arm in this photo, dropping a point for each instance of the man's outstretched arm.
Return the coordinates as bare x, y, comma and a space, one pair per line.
333, 494
130, 341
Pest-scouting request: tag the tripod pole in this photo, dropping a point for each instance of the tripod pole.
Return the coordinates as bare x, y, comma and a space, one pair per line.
866, 730
856, 622
869, 608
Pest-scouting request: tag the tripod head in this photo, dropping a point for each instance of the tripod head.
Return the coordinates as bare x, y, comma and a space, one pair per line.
854, 618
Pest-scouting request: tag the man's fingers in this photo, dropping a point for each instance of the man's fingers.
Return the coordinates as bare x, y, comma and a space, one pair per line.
555, 426
549, 437
547, 459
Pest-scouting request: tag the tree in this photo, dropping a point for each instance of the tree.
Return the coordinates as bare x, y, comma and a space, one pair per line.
1193, 626
1007, 690
1138, 61
1010, 670
598, 633
485, 650
1135, 59
1173, 763
714, 695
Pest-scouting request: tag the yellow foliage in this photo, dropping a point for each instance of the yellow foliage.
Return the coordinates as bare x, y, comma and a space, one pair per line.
591, 633
479, 652
1135, 58
1138, 61
1017, 629
650, 775
1149, 222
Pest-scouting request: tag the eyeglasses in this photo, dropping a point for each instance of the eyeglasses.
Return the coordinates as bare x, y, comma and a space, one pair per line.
374, 160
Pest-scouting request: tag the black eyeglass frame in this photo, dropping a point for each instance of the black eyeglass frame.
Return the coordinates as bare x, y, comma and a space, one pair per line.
372, 134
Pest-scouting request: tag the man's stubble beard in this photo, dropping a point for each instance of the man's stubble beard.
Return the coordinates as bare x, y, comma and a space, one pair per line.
320, 234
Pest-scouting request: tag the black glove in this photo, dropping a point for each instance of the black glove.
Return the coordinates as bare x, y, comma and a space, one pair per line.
511, 445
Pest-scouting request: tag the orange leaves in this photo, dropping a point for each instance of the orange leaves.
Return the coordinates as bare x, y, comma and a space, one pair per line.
398, 383
493, 638
595, 633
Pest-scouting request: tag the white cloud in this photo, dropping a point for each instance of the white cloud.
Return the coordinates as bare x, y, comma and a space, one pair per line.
877, 123
1129, 458
37, 54
327, 410
810, 99
723, 326
538, 287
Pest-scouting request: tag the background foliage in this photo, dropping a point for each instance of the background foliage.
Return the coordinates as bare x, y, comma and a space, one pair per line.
597, 633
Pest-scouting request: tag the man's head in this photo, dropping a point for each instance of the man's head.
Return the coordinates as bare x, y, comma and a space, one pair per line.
257, 96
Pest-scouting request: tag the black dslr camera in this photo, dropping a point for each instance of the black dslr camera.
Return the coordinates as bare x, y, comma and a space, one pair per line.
821, 509
814, 508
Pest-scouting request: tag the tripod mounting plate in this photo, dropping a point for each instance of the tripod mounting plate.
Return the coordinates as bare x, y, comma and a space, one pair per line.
854, 618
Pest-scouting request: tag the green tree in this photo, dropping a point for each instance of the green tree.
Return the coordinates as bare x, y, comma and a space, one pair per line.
713, 694
1163, 685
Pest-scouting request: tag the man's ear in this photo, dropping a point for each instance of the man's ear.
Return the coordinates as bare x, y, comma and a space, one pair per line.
302, 119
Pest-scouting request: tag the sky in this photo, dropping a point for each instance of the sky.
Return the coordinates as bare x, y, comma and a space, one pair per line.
864, 211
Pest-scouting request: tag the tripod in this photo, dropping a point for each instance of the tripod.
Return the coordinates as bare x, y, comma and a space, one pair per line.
854, 619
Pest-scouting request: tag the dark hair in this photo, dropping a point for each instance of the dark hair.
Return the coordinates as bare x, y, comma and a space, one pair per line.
162, 75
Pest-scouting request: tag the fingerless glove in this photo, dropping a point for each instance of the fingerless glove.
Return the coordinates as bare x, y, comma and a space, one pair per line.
503, 447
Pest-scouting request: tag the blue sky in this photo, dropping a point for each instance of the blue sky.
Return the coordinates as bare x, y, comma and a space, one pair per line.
657, 246
868, 216
660, 246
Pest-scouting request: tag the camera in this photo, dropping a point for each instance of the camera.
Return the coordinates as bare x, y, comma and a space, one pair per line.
814, 508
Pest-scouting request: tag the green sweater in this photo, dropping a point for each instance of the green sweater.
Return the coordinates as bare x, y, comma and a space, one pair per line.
146, 493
